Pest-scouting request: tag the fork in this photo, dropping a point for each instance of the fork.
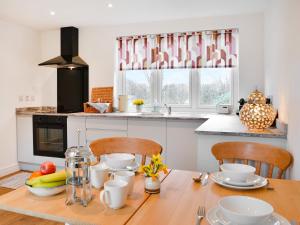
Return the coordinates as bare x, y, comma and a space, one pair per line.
200, 214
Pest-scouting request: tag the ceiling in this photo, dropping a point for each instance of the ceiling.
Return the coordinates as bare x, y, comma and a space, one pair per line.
36, 13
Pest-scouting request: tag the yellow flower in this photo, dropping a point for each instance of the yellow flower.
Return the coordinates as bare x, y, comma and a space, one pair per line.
138, 102
157, 159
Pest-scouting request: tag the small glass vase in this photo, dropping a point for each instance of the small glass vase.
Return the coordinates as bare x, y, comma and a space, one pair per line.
152, 186
139, 108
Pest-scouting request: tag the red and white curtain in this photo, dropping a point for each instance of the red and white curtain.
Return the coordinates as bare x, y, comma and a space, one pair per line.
218, 48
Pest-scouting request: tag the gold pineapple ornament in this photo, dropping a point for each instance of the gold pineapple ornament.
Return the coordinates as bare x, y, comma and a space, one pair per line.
256, 114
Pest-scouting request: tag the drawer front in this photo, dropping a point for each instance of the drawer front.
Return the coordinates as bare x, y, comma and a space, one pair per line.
92, 135
106, 123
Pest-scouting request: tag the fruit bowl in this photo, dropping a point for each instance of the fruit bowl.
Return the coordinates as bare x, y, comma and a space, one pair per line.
44, 192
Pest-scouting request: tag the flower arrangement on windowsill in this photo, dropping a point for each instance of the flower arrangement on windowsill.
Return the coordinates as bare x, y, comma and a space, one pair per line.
151, 171
138, 104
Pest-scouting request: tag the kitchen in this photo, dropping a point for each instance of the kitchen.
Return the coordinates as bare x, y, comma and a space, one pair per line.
188, 133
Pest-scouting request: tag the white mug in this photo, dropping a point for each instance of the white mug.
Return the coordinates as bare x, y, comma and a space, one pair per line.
114, 194
99, 174
127, 176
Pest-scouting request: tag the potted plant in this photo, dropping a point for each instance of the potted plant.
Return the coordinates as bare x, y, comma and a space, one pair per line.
151, 171
138, 104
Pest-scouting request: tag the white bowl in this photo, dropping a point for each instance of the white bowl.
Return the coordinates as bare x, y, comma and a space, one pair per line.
44, 192
245, 210
119, 160
237, 172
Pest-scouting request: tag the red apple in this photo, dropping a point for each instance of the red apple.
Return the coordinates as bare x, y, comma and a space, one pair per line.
47, 168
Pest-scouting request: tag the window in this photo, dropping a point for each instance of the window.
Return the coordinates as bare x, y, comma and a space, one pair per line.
178, 87
215, 86
138, 85
175, 89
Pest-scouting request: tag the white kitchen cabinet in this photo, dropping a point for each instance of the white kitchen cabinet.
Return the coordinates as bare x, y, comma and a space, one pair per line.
25, 138
73, 124
97, 128
182, 144
93, 134
153, 129
205, 159
106, 123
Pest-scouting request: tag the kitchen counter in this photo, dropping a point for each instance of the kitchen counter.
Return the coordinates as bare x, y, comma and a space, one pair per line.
231, 125
49, 111
214, 124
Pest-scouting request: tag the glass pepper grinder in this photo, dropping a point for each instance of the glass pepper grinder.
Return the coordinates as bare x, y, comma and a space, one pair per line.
78, 183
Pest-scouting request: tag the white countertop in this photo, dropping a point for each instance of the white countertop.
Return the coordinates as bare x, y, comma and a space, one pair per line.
215, 124
232, 126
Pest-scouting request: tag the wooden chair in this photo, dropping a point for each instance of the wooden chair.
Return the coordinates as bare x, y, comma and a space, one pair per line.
259, 153
134, 146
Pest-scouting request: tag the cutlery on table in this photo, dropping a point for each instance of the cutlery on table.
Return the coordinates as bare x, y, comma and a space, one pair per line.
204, 179
268, 186
200, 214
198, 179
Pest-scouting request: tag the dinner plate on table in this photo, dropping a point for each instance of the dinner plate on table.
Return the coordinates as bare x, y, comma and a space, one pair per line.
253, 182
134, 167
216, 217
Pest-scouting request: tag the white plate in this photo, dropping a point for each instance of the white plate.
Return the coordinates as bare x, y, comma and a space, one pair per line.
134, 166
119, 160
44, 192
215, 217
220, 179
250, 181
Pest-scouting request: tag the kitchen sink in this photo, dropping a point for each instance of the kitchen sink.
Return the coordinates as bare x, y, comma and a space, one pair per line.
159, 114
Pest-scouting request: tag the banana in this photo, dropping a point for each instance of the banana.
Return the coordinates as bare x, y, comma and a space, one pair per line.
54, 177
33, 181
49, 184
58, 176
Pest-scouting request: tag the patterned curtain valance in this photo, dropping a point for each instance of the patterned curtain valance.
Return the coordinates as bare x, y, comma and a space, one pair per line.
218, 48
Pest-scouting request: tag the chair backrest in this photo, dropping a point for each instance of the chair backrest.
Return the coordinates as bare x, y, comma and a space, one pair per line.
138, 146
259, 153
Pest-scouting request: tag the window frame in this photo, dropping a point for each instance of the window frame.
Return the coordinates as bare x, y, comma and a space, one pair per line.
194, 90
232, 91
159, 92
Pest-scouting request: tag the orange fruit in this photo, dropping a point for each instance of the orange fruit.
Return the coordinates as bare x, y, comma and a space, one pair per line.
35, 174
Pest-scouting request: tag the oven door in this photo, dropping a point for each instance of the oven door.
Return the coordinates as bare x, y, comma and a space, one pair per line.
50, 136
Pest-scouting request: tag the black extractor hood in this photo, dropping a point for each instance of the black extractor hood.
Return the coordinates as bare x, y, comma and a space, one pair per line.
68, 51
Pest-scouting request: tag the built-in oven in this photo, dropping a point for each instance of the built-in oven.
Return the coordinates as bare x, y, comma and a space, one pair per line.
49, 135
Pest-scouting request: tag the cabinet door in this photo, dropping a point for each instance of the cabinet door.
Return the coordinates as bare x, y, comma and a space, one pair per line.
182, 144
97, 128
25, 138
153, 129
106, 123
73, 124
93, 134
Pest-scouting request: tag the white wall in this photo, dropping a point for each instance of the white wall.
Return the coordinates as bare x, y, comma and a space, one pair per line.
97, 47
19, 55
282, 68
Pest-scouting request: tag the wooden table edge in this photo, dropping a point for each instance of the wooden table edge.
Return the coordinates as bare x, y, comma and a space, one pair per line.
63, 219
44, 216
146, 199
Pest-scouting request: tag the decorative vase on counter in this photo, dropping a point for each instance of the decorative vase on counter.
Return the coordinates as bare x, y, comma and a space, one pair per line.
139, 108
152, 185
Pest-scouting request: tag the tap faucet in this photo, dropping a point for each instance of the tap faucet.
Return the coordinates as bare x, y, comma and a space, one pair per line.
169, 108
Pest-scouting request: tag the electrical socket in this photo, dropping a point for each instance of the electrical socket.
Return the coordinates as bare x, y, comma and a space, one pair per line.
21, 99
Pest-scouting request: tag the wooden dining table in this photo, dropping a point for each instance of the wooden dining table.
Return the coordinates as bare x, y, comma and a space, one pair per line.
177, 202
